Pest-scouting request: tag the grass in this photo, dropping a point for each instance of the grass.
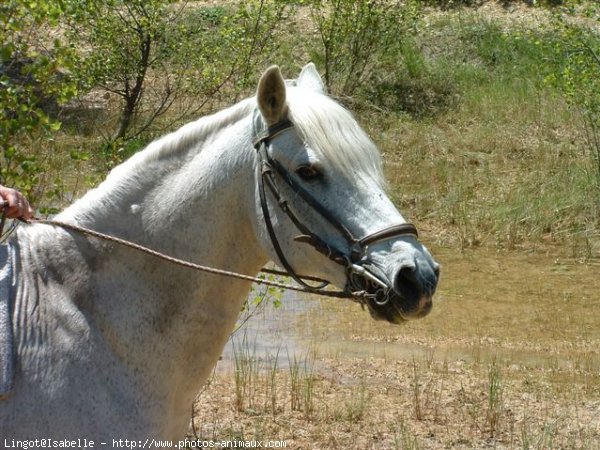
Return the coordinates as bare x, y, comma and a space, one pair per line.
247, 370
496, 404
351, 408
301, 382
506, 165
404, 439
416, 391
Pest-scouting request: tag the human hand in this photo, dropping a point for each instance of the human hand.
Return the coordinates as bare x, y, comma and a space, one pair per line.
18, 206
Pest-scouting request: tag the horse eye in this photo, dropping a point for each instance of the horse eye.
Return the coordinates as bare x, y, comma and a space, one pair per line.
308, 172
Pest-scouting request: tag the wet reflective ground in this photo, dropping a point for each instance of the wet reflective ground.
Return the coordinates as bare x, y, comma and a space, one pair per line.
529, 309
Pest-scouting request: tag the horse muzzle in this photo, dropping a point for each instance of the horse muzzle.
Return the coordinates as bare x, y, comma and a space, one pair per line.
405, 294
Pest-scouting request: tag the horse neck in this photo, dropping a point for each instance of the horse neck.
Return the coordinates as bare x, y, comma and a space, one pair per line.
195, 205
191, 203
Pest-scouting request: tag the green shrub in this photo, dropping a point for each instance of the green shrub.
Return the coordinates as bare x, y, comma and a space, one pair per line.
32, 85
153, 54
577, 76
416, 86
359, 39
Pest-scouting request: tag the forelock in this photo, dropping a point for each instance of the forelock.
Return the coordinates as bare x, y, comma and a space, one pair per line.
331, 131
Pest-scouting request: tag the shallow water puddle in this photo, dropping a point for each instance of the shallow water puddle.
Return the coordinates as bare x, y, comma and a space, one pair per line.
531, 310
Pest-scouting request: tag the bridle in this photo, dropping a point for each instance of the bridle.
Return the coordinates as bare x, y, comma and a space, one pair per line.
358, 277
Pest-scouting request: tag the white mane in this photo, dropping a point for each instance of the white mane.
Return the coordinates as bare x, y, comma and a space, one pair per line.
327, 127
189, 136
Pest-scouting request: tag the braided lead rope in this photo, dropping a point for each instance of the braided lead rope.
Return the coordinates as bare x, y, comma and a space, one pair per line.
358, 297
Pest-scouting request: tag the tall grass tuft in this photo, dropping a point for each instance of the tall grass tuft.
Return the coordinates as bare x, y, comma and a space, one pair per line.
495, 404
404, 439
416, 390
247, 369
302, 383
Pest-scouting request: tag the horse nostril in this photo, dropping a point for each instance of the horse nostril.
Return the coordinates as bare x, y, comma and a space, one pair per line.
406, 284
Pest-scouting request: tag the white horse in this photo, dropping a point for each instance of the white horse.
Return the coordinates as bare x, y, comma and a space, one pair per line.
112, 343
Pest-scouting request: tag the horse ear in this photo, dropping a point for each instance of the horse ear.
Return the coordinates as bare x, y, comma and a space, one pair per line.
309, 78
271, 96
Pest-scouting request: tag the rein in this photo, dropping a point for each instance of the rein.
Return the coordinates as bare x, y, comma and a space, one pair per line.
355, 296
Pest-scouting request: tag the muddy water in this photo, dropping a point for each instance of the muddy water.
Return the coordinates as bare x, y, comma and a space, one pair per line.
529, 309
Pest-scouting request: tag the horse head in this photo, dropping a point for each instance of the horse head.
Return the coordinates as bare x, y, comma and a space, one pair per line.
321, 203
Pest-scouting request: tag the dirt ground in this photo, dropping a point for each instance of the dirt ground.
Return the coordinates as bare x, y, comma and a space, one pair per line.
508, 359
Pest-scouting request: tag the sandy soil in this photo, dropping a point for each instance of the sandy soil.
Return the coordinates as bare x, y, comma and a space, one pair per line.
508, 359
